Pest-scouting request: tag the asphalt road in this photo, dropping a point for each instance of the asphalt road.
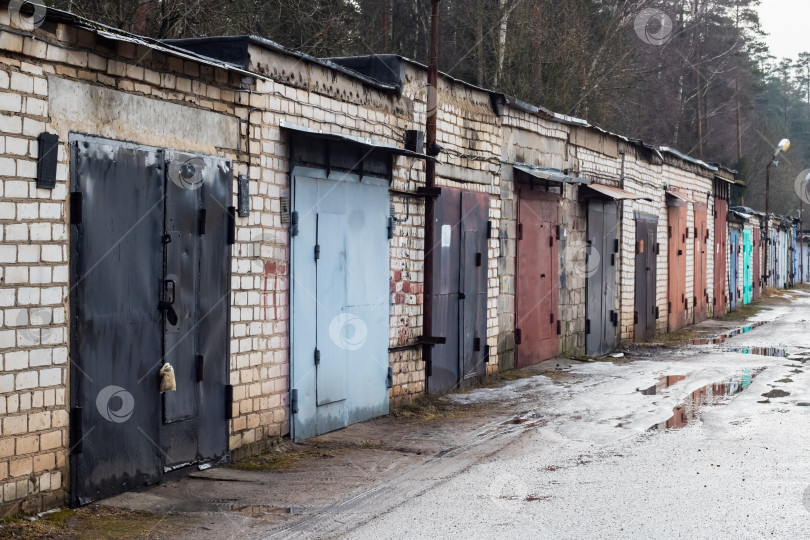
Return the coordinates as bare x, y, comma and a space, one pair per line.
666, 442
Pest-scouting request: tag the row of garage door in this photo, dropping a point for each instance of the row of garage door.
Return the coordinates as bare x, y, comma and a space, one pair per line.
171, 270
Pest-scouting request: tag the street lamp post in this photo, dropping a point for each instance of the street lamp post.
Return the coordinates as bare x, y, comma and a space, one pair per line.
784, 144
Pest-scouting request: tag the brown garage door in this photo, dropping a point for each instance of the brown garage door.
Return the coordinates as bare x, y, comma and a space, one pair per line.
700, 298
677, 233
537, 287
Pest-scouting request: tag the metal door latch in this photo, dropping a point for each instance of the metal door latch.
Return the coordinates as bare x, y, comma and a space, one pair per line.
166, 305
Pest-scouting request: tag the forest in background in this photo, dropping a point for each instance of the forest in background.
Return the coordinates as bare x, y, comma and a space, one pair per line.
695, 75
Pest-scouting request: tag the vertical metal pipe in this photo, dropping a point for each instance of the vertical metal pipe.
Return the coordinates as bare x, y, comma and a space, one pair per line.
767, 220
430, 182
384, 29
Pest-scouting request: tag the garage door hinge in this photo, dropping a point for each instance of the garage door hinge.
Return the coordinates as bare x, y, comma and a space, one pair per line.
294, 400
228, 401
317, 357
587, 326
231, 225
489, 229
294, 224
476, 344
520, 231
657, 313
669, 307
616, 245
200, 367
76, 430
317, 251
559, 328
390, 228
614, 318
75, 207
201, 214
635, 317
478, 259
389, 378
518, 336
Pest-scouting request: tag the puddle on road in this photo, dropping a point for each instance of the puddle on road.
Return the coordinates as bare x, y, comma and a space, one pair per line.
663, 382
761, 351
723, 337
692, 407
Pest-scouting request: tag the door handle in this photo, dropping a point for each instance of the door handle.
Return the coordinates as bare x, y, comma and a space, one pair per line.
167, 303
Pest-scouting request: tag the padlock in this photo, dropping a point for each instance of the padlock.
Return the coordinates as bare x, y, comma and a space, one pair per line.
167, 382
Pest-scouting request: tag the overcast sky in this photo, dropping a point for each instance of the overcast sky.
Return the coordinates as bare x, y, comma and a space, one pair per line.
786, 22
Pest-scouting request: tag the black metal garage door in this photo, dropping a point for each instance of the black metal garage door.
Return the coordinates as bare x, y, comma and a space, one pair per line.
150, 265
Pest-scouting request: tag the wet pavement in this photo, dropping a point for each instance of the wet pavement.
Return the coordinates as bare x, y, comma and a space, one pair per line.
707, 439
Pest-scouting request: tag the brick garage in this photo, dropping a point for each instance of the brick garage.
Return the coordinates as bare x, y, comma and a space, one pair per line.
34, 450
235, 113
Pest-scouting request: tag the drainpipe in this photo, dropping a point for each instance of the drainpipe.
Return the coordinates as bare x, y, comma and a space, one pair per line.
430, 184
767, 274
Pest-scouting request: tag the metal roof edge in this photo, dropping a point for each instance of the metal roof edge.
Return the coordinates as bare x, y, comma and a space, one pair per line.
365, 141
109, 32
549, 173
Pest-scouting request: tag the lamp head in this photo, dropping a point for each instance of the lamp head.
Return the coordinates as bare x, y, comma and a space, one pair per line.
783, 146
